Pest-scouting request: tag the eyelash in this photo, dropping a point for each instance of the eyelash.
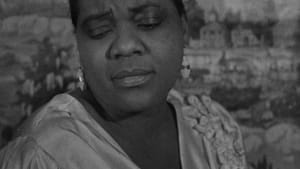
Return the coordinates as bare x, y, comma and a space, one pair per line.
99, 32
149, 24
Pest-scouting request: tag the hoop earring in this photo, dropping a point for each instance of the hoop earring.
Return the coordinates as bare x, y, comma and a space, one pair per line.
81, 82
186, 69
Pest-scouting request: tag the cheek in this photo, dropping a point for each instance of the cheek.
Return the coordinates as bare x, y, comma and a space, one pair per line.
169, 51
93, 60
91, 52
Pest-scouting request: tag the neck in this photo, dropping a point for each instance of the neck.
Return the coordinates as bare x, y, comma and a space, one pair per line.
145, 122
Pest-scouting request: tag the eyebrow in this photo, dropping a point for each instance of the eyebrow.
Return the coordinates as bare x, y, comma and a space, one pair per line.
98, 16
140, 8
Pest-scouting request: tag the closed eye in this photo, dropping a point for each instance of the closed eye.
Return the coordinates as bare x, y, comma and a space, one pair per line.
149, 17
149, 23
97, 26
99, 31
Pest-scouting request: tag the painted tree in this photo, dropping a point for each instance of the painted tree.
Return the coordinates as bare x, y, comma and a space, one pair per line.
195, 15
46, 76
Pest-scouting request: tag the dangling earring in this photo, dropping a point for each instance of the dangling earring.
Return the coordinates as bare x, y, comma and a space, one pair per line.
81, 83
186, 69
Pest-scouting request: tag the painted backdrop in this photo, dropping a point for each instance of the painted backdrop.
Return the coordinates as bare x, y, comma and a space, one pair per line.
243, 53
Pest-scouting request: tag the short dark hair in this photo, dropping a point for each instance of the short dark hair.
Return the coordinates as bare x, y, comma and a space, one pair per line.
74, 9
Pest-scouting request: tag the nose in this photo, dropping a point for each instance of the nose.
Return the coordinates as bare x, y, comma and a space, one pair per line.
127, 43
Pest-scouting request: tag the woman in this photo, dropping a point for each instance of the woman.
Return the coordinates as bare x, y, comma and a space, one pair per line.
131, 53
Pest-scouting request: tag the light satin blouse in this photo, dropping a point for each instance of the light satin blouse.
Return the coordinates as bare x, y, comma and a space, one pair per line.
62, 135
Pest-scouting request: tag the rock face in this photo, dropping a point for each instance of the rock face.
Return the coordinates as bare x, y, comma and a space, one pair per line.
21, 7
34, 24
284, 137
253, 143
278, 144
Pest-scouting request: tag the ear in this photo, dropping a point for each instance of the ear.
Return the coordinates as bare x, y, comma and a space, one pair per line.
186, 35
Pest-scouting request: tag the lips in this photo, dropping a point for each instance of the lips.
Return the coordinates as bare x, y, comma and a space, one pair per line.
132, 78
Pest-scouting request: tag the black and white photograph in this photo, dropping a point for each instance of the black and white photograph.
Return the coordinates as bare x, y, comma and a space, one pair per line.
149, 84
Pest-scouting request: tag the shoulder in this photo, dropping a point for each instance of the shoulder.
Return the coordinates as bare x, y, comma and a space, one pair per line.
220, 132
196, 107
42, 134
51, 121
25, 153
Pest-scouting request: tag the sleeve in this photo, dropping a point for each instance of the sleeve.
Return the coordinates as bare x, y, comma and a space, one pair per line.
25, 153
222, 137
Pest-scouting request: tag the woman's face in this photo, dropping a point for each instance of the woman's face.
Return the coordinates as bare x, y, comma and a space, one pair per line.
131, 52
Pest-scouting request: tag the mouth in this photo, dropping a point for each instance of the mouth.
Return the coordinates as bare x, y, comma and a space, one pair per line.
132, 78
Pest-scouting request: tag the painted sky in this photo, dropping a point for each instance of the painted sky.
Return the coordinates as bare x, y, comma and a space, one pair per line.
285, 9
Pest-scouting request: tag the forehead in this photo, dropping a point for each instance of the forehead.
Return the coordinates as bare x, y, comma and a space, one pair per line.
99, 6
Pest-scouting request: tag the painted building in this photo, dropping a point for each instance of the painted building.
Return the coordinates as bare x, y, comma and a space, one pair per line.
243, 37
214, 35
284, 33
